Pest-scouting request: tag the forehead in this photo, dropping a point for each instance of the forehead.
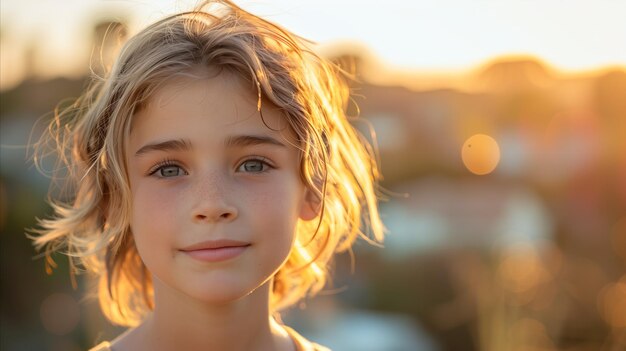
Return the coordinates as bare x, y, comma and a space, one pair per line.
207, 103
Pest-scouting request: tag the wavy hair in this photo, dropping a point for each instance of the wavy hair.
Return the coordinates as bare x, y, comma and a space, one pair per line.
93, 226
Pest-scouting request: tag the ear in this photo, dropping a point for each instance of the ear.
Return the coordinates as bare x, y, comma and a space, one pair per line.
311, 206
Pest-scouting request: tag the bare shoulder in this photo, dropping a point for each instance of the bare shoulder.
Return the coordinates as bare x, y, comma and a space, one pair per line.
108, 346
103, 346
127, 341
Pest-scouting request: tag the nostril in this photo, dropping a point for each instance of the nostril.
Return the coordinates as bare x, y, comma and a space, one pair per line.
215, 214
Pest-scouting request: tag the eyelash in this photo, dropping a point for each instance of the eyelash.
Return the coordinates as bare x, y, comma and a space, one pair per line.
163, 164
171, 163
261, 159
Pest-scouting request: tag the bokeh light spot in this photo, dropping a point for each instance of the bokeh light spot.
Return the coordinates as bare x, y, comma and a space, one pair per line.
60, 313
522, 270
480, 154
612, 301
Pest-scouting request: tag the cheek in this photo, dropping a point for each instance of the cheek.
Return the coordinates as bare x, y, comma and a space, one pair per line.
152, 215
275, 210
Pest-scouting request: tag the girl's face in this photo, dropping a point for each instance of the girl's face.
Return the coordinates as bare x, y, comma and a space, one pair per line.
216, 194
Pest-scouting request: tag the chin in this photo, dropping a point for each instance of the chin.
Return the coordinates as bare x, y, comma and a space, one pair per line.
221, 293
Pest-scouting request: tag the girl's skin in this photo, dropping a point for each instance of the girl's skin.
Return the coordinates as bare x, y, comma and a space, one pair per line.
203, 166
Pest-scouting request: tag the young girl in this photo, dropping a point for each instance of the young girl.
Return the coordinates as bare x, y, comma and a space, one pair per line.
214, 174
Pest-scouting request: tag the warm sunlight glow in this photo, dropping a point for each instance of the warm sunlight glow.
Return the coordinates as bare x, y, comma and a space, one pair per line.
522, 270
60, 314
618, 238
480, 154
612, 303
531, 334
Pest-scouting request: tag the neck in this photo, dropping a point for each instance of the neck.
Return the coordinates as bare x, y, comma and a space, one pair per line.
181, 323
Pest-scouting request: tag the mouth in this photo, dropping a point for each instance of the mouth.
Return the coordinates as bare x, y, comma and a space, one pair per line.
216, 250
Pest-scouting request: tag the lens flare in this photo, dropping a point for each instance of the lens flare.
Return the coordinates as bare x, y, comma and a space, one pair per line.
480, 154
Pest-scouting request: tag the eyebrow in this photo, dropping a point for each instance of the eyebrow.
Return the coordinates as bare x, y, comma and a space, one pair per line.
168, 145
233, 141
249, 140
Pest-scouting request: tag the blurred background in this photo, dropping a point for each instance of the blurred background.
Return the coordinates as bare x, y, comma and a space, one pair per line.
501, 129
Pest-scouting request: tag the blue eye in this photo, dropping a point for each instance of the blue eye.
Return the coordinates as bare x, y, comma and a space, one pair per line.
254, 166
168, 170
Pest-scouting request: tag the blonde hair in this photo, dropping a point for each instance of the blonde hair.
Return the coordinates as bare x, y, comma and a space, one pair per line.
337, 163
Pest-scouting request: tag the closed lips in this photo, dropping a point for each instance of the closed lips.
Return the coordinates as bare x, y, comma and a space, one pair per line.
215, 244
216, 250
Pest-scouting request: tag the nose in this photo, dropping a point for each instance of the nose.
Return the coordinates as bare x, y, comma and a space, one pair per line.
212, 202
213, 216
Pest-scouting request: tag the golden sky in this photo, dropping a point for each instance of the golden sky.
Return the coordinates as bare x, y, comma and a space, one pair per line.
444, 35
